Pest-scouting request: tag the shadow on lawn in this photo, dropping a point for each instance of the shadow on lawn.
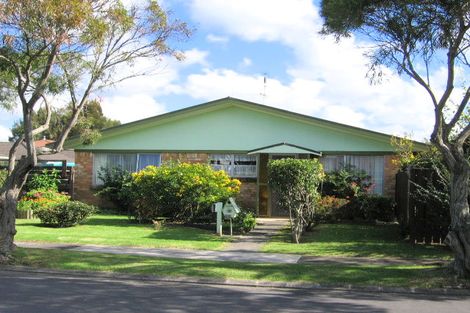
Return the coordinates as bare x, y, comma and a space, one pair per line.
358, 240
326, 275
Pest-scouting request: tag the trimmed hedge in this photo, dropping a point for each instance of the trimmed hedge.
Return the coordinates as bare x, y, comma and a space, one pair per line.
65, 214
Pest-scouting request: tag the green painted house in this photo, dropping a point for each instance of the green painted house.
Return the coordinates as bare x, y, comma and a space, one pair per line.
239, 137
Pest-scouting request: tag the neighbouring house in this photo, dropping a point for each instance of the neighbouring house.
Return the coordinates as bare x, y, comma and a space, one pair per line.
239, 137
45, 159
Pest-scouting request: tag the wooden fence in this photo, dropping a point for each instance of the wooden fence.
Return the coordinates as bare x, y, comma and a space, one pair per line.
426, 221
66, 175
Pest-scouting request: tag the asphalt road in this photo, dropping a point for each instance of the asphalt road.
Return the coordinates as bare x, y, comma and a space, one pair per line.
25, 292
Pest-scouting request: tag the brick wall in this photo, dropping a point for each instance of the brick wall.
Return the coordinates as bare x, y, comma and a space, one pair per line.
84, 178
186, 157
390, 171
247, 196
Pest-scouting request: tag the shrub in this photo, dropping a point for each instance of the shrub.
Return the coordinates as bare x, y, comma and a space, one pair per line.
375, 207
65, 214
330, 208
3, 176
39, 199
346, 183
116, 188
46, 180
245, 221
296, 183
180, 191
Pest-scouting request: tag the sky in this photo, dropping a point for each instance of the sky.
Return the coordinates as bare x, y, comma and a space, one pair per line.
238, 43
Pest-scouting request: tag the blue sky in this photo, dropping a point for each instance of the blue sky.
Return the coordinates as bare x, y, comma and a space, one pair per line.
238, 42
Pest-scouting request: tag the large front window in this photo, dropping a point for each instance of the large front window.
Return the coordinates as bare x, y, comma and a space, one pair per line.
132, 162
236, 165
372, 165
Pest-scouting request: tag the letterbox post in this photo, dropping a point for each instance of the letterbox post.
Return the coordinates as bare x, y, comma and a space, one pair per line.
218, 208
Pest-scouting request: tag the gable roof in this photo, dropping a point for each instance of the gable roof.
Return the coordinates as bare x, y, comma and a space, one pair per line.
284, 148
210, 126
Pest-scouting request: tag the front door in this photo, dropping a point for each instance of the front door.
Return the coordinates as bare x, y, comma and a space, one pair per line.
274, 205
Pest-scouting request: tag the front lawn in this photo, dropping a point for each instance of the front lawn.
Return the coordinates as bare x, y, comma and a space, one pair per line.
360, 275
355, 240
116, 230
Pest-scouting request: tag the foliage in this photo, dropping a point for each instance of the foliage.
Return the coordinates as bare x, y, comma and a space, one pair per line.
64, 214
245, 221
41, 199
70, 50
46, 180
3, 176
415, 37
89, 122
116, 188
365, 207
436, 188
180, 191
329, 209
296, 184
347, 183
378, 208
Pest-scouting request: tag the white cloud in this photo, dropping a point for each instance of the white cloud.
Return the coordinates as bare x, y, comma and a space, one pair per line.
246, 62
131, 107
327, 78
216, 39
135, 98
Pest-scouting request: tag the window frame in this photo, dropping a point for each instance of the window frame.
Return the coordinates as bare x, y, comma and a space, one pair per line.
231, 166
95, 169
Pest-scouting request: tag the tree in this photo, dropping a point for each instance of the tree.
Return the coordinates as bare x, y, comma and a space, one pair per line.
413, 37
70, 48
296, 185
90, 121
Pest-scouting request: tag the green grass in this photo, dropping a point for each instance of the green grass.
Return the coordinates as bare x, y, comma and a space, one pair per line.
366, 275
115, 230
355, 240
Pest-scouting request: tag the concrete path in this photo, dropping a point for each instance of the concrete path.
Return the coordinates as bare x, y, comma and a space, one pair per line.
265, 228
237, 256
243, 249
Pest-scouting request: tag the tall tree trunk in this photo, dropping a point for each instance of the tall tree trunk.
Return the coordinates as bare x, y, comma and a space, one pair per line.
8, 201
458, 238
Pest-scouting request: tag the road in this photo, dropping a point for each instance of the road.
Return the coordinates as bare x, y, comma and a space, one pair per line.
23, 292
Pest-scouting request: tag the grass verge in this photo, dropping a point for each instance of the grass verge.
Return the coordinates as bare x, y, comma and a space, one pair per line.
365, 275
355, 240
116, 230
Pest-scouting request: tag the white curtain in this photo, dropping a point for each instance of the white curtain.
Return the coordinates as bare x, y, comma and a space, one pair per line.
131, 162
371, 164
235, 165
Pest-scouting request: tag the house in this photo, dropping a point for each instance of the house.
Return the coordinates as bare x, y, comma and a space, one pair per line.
43, 159
239, 137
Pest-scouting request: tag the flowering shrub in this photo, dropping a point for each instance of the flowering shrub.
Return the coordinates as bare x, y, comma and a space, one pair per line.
180, 191
39, 199
329, 208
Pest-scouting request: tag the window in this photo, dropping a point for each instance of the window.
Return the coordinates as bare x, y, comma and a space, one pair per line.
372, 165
131, 162
236, 165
